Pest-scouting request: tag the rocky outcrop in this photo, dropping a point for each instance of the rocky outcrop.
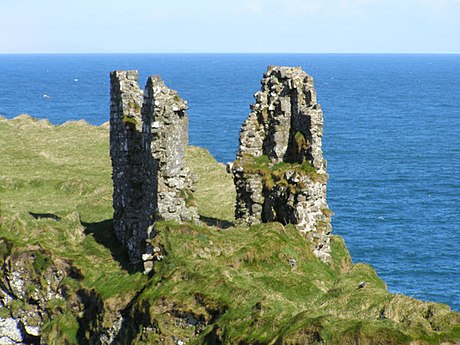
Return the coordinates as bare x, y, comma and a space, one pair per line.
279, 173
31, 283
148, 136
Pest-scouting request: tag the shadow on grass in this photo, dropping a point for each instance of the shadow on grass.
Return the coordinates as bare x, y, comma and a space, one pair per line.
44, 216
104, 235
218, 223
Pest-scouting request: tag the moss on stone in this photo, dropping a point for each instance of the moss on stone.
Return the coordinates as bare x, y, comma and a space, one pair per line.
4, 313
301, 143
275, 174
129, 120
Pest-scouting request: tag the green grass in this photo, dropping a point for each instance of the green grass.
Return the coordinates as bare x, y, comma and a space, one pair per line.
215, 193
56, 190
236, 285
276, 174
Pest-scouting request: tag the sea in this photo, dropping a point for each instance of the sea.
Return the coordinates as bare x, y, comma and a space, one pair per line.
391, 138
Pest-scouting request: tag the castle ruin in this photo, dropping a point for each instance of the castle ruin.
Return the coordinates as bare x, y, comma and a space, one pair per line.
279, 173
148, 137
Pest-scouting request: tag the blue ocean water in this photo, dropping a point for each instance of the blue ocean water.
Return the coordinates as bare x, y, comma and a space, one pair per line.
391, 138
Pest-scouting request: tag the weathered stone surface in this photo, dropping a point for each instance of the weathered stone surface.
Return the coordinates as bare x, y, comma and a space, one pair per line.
165, 121
9, 331
29, 281
280, 174
148, 136
133, 196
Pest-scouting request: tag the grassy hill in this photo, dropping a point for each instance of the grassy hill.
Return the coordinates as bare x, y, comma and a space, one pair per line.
216, 284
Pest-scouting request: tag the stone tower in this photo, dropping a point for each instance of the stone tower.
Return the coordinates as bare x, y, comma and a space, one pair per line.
279, 172
148, 137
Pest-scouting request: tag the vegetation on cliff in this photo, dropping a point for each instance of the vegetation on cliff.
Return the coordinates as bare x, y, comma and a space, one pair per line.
215, 283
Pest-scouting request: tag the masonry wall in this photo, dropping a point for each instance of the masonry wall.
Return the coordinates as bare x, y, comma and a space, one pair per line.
166, 123
148, 137
280, 174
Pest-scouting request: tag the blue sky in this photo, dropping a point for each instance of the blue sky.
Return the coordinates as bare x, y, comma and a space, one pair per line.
280, 26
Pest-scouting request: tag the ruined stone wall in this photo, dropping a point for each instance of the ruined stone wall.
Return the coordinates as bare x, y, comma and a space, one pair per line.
280, 174
166, 123
148, 136
133, 203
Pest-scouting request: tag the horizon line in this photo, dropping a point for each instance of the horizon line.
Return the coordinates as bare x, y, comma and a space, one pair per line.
231, 53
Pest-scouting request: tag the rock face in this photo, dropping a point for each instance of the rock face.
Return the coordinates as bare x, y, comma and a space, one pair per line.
279, 172
29, 283
148, 136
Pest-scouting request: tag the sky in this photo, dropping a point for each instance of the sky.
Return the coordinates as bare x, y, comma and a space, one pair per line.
231, 26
